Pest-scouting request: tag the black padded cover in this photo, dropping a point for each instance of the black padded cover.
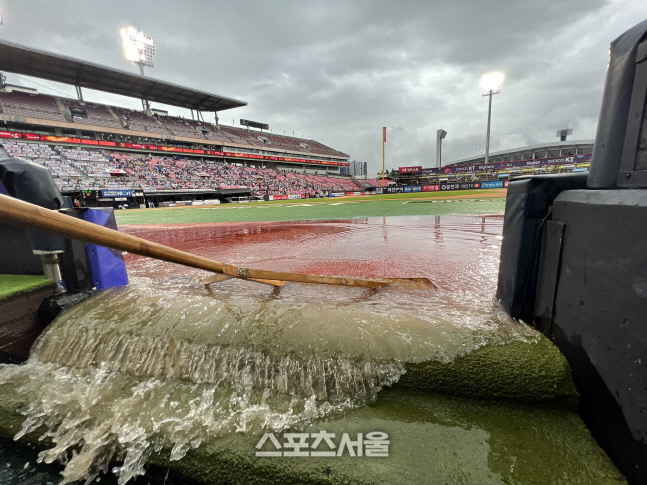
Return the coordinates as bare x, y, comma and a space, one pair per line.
33, 183
527, 204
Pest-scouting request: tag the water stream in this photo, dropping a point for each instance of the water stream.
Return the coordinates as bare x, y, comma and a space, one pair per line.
168, 363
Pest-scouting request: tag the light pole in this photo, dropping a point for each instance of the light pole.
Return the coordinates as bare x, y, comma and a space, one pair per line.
491, 84
440, 136
139, 49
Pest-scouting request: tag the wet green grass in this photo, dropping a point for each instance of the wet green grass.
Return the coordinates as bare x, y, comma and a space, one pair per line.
14, 284
435, 439
346, 208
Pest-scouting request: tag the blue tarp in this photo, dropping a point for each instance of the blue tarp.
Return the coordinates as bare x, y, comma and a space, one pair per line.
107, 265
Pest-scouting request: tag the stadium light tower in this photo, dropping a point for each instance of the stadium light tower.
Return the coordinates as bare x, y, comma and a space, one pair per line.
563, 133
440, 136
138, 47
491, 84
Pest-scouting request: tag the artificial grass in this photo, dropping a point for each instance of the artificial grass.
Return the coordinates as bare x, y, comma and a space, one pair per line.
534, 372
434, 438
346, 208
11, 284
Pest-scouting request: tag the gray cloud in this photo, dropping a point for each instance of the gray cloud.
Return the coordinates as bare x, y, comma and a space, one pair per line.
337, 71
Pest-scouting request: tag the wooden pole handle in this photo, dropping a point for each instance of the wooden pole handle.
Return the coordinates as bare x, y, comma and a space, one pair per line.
24, 214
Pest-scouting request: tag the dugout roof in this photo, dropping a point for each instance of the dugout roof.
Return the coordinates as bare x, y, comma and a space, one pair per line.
193, 192
239, 191
27, 61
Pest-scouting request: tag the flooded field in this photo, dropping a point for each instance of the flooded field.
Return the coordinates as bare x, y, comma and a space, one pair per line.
167, 363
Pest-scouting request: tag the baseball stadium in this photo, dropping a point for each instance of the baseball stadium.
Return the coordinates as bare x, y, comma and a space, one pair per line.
184, 301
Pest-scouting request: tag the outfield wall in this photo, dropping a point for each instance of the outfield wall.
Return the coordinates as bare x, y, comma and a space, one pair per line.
394, 189
405, 189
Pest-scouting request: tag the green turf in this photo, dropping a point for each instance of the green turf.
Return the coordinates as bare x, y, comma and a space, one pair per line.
346, 208
14, 284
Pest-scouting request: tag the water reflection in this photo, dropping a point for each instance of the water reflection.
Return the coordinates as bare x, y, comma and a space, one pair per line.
437, 247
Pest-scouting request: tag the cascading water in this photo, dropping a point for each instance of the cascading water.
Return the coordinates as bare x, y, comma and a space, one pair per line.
166, 363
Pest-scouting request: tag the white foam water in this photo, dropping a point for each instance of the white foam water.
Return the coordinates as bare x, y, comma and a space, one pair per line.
94, 416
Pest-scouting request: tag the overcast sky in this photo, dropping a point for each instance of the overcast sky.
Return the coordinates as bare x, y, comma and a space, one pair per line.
337, 71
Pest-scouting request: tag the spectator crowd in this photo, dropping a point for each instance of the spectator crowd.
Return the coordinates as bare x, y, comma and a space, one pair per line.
176, 172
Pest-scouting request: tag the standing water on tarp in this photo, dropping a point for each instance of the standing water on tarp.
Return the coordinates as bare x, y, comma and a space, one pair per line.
168, 363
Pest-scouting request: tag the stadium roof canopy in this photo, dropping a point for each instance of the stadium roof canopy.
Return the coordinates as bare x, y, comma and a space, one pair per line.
19, 59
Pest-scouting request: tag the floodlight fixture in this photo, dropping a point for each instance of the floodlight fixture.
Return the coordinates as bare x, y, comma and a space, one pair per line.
490, 84
563, 133
138, 47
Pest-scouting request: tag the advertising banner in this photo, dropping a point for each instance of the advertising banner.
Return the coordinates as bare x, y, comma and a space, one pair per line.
337, 194
294, 196
9, 134
378, 190
394, 189
399, 189
431, 188
460, 186
138, 146
283, 159
444, 187
117, 193
410, 170
497, 184
503, 165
